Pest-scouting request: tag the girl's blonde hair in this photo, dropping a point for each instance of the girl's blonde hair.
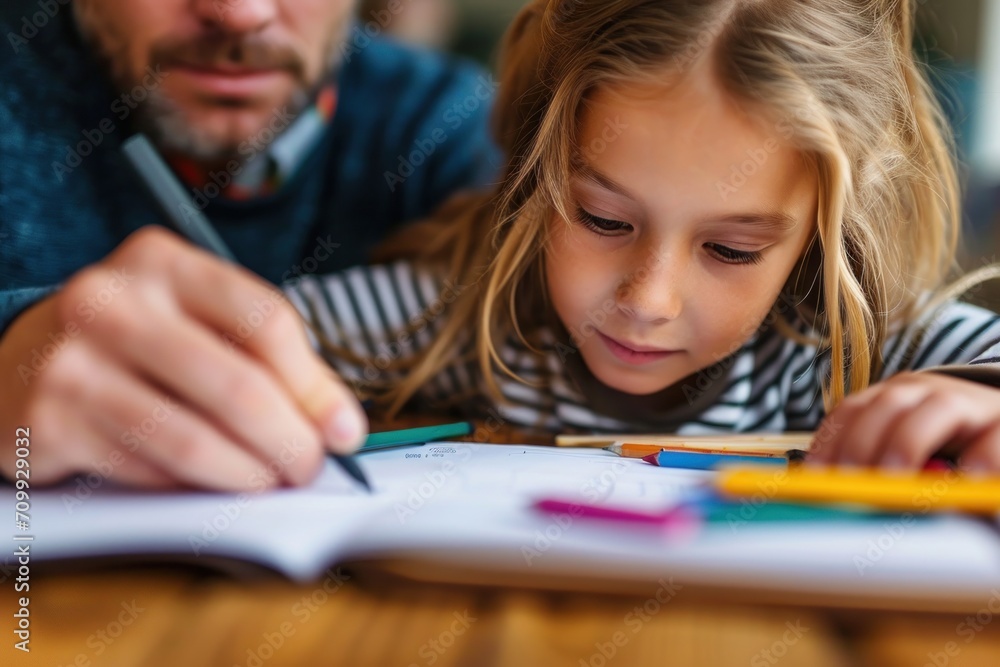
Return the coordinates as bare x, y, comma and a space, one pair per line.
840, 73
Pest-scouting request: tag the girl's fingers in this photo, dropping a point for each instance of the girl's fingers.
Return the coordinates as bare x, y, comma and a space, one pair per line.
921, 431
840, 429
230, 401
864, 420
983, 454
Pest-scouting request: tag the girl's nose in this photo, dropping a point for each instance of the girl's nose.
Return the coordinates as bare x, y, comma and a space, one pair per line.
653, 292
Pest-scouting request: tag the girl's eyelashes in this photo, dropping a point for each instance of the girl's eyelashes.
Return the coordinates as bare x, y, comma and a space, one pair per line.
732, 256
600, 225
606, 227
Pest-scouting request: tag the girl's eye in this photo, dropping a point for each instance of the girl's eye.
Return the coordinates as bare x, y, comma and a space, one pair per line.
731, 256
600, 225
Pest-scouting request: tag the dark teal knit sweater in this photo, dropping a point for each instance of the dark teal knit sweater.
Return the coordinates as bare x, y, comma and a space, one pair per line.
55, 101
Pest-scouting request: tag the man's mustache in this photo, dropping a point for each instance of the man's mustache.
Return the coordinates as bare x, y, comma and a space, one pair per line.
242, 51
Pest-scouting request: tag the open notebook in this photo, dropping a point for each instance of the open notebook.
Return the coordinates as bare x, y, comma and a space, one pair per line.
462, 513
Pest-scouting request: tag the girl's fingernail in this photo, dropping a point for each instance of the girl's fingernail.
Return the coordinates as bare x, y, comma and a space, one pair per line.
974, 466
893, 462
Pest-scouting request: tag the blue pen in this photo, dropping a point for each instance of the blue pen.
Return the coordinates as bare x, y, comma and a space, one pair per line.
702, 461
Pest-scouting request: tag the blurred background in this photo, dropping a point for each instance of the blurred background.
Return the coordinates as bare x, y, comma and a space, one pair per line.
958, 39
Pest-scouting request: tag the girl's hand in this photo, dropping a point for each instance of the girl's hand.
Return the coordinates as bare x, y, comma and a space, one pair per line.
902, 422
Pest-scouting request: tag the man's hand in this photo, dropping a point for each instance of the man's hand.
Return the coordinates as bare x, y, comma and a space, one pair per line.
902, 422
171, 367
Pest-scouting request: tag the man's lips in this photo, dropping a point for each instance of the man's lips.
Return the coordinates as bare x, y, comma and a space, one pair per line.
230, 81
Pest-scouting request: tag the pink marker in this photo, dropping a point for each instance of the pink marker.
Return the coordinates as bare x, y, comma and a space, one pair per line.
681, 521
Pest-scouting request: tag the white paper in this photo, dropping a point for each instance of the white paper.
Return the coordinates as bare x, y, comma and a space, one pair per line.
469, 506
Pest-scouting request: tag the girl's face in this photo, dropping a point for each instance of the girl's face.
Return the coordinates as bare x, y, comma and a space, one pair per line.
689, 215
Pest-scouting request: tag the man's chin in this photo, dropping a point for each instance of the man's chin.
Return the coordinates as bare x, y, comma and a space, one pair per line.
218, 134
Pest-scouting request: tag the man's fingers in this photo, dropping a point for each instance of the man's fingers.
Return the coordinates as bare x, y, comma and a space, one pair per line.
119, 465
231, 391
259, 321
65, 441
152, 425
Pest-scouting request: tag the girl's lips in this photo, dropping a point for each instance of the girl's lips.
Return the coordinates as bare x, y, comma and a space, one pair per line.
630, 355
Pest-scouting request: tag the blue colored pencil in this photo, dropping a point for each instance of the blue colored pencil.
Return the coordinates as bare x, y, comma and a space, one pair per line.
701, 461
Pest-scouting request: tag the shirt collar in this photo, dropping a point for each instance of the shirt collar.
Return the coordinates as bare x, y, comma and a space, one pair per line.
279, 161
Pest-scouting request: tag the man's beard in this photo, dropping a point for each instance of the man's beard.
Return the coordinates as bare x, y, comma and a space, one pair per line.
162, 119
168, 127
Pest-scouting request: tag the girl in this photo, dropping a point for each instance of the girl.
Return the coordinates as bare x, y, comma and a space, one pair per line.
717, 216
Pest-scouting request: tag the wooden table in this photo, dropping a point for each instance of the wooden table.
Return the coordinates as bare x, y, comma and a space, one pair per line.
182, 617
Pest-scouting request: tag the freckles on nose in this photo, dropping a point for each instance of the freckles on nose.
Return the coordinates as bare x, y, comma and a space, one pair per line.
651, 293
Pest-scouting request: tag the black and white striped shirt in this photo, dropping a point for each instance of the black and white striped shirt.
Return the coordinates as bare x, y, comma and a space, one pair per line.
771, 384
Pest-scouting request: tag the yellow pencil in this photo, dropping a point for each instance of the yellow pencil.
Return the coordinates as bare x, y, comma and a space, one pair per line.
919, 493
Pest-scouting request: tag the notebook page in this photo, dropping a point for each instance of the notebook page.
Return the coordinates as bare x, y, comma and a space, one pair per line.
296, 532
481, 519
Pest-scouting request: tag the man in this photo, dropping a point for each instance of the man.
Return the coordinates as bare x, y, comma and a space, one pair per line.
304, 139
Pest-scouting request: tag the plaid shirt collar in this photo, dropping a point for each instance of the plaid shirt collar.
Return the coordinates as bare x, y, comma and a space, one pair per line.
267, 170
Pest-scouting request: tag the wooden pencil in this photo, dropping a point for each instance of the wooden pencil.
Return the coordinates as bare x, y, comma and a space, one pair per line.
631, 450
766, 443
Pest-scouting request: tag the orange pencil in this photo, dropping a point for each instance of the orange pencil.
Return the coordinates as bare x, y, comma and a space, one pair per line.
631, 450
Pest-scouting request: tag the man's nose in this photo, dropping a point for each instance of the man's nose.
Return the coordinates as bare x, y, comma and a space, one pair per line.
237, 16
653, 293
